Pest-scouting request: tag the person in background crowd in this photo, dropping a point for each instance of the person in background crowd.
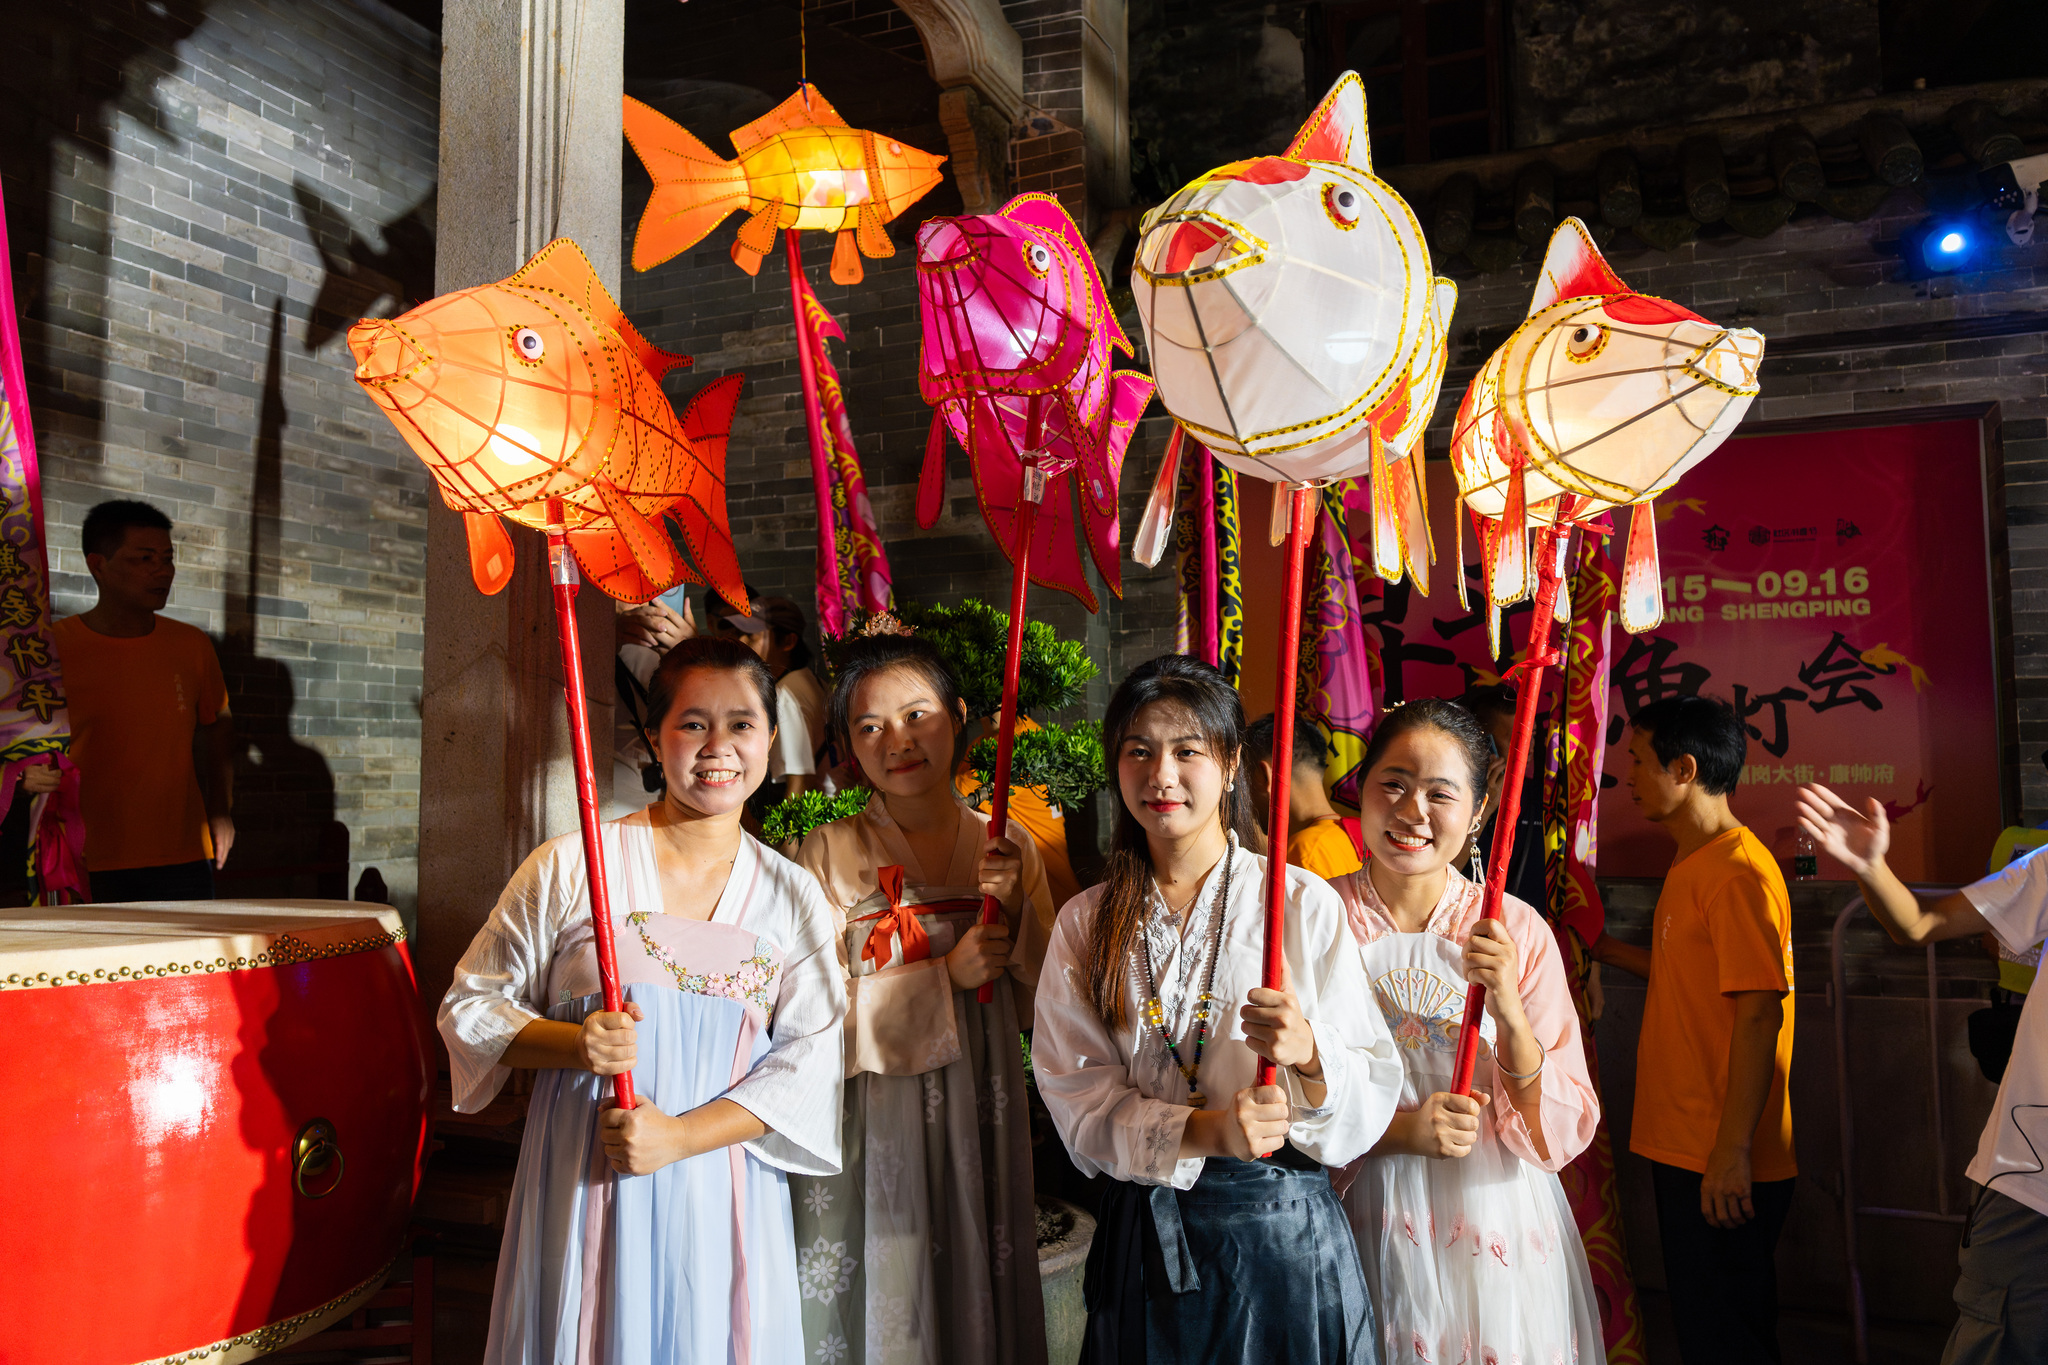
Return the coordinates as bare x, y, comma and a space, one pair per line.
927, 1234
1316, 838
1716, 1043
773, 627
1495, 707
643, 634
1466, 1235
2001, 1292
1219, 1238
150, 729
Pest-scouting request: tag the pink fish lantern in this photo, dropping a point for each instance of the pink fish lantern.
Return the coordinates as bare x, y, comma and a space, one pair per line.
1016, 364
1602, 398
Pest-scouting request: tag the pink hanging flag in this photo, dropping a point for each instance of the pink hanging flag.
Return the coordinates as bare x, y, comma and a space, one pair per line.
863, 583
1338, 684
34, 727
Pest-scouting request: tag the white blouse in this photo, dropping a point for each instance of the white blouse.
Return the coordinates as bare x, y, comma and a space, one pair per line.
1120, 1103
501, 983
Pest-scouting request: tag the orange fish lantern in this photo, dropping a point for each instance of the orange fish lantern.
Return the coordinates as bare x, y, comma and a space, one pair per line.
535, 399
1600, 399
799, 167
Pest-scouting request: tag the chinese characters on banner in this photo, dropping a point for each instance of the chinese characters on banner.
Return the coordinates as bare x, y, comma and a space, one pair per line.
1834, 587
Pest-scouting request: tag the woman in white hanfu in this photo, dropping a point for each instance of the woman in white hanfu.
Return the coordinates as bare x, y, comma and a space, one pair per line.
926, 1249
1219, 1238
1462, 1224
661, 1233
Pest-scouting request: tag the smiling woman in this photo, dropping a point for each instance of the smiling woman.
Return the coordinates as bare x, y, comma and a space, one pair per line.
732, 1030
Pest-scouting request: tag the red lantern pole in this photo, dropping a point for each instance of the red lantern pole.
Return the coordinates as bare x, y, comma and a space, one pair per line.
1301, 515
814, 426
1527, 688
562, 569
1013, 660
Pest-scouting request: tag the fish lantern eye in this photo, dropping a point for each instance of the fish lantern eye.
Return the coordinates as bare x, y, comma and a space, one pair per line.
528, 344
895, 149
1584, 342
1038, 260
1343, 204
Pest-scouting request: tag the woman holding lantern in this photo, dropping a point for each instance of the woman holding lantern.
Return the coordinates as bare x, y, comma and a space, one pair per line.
1461, 1222
1220, 1238
923, 1250
661, 1232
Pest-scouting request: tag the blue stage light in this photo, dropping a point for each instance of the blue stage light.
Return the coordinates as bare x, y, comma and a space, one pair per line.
1947, 244
1951, 243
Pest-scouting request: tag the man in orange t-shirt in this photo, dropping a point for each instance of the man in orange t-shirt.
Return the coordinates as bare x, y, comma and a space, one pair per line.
145, 692
1316, 841
1716, 1044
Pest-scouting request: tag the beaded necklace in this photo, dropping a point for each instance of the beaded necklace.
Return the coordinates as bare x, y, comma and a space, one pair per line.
1155, 1009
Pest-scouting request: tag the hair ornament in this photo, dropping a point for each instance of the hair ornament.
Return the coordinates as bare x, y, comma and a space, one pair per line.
884, 623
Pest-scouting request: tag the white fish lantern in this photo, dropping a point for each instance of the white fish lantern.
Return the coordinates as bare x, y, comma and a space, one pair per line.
1294, 324
1602, 398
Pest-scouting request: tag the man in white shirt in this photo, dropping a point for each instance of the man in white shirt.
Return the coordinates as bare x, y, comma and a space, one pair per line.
2002, 1291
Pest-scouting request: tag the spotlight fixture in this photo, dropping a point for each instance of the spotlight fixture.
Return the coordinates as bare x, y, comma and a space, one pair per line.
1943, 245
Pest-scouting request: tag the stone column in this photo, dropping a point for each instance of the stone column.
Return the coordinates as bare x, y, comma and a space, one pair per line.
530, 151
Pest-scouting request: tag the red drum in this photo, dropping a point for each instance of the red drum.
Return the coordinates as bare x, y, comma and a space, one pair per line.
215, 1120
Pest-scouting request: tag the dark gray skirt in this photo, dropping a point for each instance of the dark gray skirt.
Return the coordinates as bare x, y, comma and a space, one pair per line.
1253, 1266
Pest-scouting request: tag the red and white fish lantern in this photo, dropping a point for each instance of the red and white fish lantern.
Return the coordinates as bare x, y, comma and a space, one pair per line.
1602, 398
1297, 330
1296, 327
216, 1123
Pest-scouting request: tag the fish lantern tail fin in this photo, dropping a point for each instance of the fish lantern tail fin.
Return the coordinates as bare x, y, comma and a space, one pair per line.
638, 560
707, 423
931, 480
846, 266
694, 187
1642, 592
490, 551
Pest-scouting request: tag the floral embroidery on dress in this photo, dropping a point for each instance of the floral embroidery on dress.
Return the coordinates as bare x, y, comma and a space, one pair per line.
753, 982
818, 1199
831, 1350
824, 1270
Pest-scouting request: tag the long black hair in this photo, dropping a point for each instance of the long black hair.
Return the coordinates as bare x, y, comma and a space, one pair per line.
1176, 680
873, 654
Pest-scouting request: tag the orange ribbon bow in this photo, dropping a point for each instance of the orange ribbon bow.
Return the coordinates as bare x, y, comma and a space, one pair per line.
899, 922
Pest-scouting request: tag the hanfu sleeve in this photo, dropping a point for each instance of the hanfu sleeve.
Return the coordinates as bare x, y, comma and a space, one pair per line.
795, 1087
1110, 1126
1362, 1073
500, 984
1570, 1108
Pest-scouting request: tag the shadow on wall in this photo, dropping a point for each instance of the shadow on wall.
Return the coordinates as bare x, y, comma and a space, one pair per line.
287, 841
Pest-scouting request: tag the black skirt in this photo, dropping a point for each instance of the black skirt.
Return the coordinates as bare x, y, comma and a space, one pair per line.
1253, 1266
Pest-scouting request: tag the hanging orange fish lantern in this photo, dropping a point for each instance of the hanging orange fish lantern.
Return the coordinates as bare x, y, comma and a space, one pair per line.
800, 167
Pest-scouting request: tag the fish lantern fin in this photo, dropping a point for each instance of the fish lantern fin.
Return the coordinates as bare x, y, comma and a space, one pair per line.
648, 544
1417, 532
1155, 527
931, 480
1642, 592
804, 109
694, 187
1387, 555
846, 266
490, 551
1509, 580
1048, 214
757, 237
561, 268
869, 233
1573, 268
1492, 630
1458, 539
707, 424
1336, 130
608, 562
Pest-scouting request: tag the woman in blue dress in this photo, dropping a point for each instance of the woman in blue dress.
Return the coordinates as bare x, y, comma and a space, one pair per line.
662, 1233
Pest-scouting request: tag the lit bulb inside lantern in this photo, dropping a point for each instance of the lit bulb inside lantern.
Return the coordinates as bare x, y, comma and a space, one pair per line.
503, 437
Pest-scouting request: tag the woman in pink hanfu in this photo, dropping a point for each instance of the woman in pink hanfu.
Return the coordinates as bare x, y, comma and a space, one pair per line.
661, 1233
1468, 1243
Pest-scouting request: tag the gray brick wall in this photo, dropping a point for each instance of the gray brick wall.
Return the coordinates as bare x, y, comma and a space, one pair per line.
180, 163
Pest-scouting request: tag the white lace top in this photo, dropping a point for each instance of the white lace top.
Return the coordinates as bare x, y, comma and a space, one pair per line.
1120, 1103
